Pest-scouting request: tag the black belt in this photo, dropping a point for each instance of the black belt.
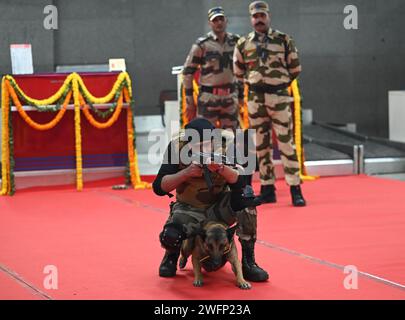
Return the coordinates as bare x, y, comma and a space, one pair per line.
267, 88
219, 90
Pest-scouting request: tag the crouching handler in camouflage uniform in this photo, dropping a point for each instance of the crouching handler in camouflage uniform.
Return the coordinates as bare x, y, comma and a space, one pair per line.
196, 201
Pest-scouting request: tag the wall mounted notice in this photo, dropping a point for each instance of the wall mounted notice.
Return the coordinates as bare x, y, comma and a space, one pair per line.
21, 59
117, 65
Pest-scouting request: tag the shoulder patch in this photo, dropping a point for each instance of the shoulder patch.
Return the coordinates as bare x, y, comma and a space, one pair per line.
234, 36
241, 43
233, 39
280, 34
242, 40
250, 36
201, 40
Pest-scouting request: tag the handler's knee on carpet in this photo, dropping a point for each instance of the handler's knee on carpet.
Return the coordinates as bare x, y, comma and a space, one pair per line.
172, 237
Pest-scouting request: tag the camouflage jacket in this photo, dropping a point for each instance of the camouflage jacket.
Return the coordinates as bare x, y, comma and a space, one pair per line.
213, 59
194, 191
270, 58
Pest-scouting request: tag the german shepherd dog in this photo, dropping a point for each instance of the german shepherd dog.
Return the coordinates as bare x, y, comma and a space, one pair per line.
211, 248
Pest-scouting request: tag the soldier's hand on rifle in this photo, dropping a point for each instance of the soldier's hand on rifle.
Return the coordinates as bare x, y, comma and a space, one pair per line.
230, 175
191, 109
193, 170
215, 167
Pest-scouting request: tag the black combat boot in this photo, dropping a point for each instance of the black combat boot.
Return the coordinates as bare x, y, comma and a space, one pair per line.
251, 271
297, 198
168, 266
268, 194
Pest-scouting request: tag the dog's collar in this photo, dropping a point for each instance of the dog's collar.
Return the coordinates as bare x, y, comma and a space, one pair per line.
226, 251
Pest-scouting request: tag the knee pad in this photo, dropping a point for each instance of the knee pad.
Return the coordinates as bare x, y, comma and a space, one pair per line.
172, 237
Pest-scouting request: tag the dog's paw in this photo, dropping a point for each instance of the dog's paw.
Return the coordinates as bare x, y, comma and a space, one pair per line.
182, 263
244, 285
198, 283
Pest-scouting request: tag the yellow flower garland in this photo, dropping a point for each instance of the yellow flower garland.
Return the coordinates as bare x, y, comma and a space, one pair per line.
183, 115
195, 93
94, 122
5, 139
78, 136
121, 77
52, 99
132, 154
243, 109
130, 142
75, 81
294, 90
27, 118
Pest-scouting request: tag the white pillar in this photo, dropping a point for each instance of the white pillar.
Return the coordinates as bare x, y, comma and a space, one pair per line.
396, 105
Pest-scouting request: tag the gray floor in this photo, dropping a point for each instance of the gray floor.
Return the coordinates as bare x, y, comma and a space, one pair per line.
371, 148
394, 176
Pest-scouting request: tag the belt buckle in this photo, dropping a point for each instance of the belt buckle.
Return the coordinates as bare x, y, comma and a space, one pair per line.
221, 91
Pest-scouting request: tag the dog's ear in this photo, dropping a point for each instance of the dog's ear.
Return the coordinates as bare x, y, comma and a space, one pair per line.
230, 232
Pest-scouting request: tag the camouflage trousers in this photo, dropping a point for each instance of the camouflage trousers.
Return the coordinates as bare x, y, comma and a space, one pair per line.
267, 112
191, 217
221, 111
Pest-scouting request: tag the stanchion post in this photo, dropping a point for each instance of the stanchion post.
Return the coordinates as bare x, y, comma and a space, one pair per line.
356, 159
361, 159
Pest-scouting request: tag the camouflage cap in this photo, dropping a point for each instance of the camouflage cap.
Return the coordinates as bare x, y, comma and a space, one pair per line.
258, 6
215, 12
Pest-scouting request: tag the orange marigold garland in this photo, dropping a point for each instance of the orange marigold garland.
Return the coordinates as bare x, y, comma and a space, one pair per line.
27, 118
94, 122
78, 137
5, 154
132, 154
183, 116
295, 92
243, 109
72, 85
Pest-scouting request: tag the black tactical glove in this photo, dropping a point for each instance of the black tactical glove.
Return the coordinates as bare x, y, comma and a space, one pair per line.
244, 198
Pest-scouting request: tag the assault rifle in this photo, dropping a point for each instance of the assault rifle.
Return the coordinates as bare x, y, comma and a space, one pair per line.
203, 158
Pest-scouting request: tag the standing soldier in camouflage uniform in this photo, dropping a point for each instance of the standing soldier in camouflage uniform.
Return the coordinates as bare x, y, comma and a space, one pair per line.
220, 94
195, 202
267, 61
212, 54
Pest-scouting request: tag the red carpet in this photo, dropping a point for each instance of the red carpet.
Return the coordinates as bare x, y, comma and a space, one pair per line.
105, 244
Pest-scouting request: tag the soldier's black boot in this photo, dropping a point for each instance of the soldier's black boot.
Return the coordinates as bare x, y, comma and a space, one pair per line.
297, 197
168, 266
268, 194
251, 271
